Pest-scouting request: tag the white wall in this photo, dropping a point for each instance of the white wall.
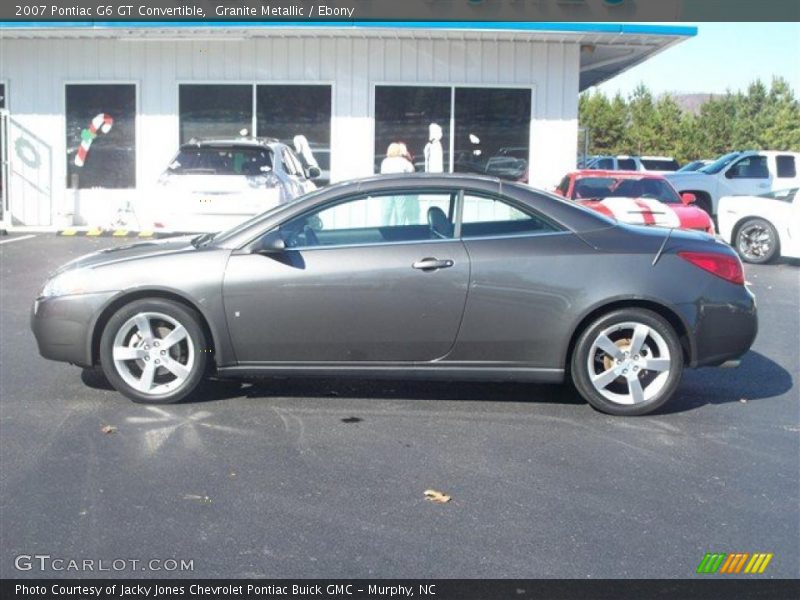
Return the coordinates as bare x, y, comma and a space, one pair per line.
36, 70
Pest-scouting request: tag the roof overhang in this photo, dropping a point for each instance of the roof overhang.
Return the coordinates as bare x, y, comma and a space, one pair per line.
606, 49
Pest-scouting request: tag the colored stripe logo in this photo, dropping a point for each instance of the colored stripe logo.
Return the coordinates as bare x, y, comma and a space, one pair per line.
735, 562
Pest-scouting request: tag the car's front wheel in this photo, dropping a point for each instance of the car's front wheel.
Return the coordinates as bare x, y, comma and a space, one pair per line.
154, 351
757, 241
627, 362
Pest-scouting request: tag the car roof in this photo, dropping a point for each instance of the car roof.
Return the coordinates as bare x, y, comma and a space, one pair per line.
617, 174
656, 158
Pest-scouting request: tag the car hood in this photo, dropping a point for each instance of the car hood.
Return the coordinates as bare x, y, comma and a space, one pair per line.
143, 249
681, 179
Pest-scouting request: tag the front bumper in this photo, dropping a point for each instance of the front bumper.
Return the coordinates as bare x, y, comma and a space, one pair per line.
63, 326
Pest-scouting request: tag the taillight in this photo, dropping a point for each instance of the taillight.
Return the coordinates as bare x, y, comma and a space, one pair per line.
725, 266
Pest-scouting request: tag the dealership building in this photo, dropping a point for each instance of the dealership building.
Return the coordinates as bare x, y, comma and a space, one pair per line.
92, 113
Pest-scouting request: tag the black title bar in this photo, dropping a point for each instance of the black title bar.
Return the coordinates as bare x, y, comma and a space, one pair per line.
447, 589
400, 10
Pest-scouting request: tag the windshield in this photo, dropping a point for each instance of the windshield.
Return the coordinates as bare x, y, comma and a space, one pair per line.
719, 164
599, 188
222, 161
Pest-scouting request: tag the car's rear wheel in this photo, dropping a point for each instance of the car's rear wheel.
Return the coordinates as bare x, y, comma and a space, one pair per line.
627, 362
757, 241
154, 351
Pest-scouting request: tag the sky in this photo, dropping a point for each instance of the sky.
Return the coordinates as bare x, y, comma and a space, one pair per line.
722, 56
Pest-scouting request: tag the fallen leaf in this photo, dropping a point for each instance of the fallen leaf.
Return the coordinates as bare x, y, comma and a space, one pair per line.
436, 496
196, 498
108, 429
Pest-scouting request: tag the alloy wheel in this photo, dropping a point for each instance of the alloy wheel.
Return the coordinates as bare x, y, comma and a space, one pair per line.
629, 363
153, 353
755, 242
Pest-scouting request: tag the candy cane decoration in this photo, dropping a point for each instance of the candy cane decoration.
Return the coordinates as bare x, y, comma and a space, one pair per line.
101, 122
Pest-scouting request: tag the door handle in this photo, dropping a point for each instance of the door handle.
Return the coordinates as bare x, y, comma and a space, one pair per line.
432, 264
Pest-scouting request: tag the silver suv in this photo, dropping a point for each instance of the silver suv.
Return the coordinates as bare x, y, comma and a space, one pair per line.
212, 185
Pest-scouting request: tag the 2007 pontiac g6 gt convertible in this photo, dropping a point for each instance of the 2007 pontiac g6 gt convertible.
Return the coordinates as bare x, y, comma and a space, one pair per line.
455, 277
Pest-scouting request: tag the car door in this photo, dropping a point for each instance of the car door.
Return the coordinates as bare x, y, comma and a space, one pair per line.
522, 285
363, 278
748, 176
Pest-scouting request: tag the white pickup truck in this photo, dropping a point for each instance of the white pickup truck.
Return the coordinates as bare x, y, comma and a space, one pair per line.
750, 173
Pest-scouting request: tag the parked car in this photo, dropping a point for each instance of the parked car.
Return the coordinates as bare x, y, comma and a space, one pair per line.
489, 280
695, 165
215, 184
650, 164
739, 174
762, 228
633, 197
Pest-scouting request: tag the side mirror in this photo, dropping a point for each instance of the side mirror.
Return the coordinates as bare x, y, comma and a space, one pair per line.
271, 243
313, 172
688, 198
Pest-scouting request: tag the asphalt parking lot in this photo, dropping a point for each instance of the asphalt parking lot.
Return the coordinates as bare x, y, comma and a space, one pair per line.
325, 478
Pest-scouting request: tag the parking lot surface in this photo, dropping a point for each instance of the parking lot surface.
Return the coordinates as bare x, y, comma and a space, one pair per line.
323, 478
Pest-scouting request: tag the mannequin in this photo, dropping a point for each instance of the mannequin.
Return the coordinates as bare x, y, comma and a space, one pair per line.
303, 149
434, 159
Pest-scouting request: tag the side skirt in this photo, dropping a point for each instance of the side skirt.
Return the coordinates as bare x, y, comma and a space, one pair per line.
471, 372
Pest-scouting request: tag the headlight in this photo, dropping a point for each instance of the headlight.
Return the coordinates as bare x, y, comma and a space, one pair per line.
74, 281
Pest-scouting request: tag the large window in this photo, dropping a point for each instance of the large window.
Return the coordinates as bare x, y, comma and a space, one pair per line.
101, 135
297, 115
288, 111
491, 134
405, 114
215, 111
492, 131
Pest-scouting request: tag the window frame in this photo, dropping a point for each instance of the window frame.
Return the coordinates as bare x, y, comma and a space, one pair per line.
729, 171
254, 98
138, 174
558, 228
455, 190
458, 214
532, 87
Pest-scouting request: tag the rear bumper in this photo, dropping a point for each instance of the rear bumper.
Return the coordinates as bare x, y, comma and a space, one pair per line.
725, 329
63, 326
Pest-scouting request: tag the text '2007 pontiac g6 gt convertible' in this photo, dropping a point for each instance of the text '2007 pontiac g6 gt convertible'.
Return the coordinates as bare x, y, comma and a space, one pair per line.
425, 276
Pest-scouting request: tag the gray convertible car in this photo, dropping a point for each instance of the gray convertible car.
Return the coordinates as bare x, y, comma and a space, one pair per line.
425, 276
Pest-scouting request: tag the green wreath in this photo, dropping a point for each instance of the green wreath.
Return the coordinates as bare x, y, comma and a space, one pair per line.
27, 153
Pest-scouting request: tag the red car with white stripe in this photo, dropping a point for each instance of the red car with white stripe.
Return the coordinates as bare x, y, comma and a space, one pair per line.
635, 197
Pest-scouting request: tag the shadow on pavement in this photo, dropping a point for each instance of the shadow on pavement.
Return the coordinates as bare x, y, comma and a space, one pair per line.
756, 378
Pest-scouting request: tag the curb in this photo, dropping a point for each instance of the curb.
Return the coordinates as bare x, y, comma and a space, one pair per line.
120, 233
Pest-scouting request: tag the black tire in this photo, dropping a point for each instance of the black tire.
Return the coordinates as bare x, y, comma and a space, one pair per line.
664, 383
762, 253
194, 349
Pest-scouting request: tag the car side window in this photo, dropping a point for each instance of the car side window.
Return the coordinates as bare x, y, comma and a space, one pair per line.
563, 186
605, 163
750, 167
375, 219
627, 164
786, 166
485, 216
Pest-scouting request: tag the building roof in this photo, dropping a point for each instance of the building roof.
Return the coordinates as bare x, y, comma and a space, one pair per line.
607, 49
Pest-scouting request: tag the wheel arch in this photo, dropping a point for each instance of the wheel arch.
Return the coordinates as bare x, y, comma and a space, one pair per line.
672, 317
121, 300
703, 197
